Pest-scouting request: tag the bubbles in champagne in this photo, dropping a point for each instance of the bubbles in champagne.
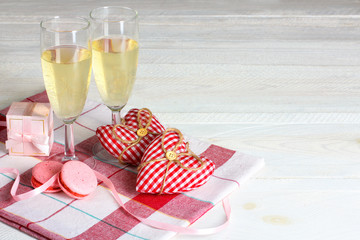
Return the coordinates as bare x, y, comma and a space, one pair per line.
114, 64
66, 71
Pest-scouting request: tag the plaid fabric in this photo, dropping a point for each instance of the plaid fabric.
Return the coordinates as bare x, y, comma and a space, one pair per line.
151, 176
56, 216
116, 147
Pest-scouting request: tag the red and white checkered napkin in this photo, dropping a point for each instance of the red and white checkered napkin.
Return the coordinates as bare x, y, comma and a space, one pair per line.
128, 141
168, 166
56, 216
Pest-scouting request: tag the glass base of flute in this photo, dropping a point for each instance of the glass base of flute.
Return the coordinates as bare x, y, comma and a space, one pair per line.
69, 146
98, 150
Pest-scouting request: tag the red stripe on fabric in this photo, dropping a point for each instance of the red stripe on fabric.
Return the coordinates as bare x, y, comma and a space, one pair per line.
90, 109
59, 127
51, 214
22, 228
40, 97
84, 126
185, 207
3, 134
2, 119
104, 229
4, 111
218, 155
154, 201
117, 223
87, 145
123, 221
124, 181
119, 170
44, 232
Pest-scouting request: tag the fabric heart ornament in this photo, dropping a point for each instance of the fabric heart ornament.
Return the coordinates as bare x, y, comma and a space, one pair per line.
168, 166
128, 141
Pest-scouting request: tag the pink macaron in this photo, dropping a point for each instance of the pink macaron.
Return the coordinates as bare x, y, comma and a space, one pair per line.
77, 179
43, 171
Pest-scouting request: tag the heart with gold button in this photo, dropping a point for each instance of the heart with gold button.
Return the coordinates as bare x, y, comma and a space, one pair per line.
169, 166
128, 141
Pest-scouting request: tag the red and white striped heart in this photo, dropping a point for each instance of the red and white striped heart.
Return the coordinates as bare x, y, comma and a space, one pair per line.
129, 140
168, 166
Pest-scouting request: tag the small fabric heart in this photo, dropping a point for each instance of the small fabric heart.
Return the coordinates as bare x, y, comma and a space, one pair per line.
168, 166
129, 140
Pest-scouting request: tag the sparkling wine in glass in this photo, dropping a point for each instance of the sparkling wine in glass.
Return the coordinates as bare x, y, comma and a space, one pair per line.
66, 66
115, 58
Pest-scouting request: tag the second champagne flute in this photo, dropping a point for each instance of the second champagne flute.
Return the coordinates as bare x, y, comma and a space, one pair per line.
115, 58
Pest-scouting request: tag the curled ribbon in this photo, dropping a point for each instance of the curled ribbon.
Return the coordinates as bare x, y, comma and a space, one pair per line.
141, 132
172, 157
110, 185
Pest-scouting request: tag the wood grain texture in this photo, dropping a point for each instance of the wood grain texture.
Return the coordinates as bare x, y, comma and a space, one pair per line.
283, 209
276, 79
263, 64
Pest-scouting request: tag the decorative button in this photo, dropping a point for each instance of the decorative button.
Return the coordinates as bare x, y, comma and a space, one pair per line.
141, 132
170, 155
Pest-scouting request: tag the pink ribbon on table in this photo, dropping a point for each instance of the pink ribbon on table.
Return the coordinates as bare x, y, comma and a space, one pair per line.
167, 226
40, 141
28, 194
110, 185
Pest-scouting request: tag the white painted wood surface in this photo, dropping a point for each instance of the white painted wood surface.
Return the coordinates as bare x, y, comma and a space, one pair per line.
277, 79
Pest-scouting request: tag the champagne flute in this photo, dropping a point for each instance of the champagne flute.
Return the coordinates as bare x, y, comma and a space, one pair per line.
115, 59
66, 66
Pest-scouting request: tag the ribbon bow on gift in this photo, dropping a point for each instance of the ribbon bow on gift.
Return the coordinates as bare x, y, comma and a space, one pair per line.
141, 132
40, 141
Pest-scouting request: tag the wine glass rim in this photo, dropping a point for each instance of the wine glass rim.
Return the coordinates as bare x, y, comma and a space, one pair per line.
135, 14
43, 21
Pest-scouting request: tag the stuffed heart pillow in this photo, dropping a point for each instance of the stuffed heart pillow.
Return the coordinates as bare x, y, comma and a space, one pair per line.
128, 141
168, 166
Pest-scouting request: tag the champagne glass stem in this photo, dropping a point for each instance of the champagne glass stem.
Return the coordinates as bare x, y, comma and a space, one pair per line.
116, 116
69, 143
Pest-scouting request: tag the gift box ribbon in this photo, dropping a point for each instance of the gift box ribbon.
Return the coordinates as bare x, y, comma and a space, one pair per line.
40, 141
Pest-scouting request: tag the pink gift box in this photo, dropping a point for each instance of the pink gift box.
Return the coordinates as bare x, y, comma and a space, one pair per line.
29, 129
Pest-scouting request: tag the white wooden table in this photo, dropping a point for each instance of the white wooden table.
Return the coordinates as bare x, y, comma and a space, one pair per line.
277, 79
